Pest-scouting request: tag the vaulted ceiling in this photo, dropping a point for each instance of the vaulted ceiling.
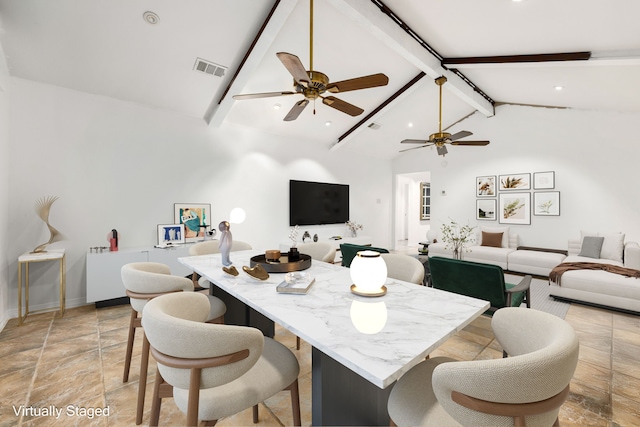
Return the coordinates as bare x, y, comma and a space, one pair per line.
107, 47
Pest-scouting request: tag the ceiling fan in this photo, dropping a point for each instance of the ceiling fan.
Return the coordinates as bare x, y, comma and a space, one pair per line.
312, 84
440, 138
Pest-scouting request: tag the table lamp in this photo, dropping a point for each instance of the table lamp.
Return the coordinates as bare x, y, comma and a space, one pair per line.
368, 272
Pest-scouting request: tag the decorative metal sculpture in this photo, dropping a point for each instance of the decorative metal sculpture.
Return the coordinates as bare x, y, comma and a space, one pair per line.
226, 241
43, 207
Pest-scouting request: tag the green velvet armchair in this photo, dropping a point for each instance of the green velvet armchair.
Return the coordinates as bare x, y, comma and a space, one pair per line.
483, 281
349, 251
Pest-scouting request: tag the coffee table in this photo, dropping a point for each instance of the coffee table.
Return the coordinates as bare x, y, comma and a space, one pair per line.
360, 345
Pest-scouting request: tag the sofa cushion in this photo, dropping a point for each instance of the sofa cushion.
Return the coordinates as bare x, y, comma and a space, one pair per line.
591, 247
534, 262
503, 230
492, 239
577, 258
612, 247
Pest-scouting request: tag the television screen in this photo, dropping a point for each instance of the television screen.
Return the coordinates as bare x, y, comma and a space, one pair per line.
316, 203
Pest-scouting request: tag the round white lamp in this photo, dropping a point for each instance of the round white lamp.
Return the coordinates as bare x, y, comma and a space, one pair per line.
368, 272
237, 216
367, 317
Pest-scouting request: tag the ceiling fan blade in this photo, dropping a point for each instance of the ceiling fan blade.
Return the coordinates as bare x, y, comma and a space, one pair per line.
476, 143
293, 64
414, 148
296, 110
414, 141
506, 59
365, 82
459, 135
261, 95
343, 106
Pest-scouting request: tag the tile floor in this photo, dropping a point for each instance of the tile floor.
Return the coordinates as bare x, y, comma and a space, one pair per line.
78, 359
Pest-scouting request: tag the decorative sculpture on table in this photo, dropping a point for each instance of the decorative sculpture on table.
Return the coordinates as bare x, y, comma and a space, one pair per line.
43, 207
226, 240
293, 254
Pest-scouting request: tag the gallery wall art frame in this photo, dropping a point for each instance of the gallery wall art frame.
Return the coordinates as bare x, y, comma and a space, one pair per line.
514, 208
544, 180
486, 186
515, 182
171, 234
546, 203
486, 209
195, 217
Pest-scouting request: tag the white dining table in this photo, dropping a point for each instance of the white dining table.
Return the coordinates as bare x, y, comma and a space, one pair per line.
360, 345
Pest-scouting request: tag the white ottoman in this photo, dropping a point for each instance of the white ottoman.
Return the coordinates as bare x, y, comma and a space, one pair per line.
534, 261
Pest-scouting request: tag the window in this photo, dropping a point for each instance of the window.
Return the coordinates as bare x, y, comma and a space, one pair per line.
425, 200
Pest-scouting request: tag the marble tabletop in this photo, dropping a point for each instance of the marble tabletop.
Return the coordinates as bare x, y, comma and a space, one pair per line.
378, 338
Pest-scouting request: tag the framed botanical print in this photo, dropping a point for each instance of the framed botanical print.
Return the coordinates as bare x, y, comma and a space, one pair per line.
486, 209
170, 234
195, 217
546, 203
486, 186
544, 180
515, 208
519, 181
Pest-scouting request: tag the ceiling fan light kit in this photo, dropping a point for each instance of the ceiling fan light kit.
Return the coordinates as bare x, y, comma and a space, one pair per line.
440, 138
313, 84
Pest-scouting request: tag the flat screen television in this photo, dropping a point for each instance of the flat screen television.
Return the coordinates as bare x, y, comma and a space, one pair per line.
317, 203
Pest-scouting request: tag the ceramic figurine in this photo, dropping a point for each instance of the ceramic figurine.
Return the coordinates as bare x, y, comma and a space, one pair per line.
226, 240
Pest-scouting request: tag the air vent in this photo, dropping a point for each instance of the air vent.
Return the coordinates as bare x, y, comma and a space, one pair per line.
209, 67
374, 126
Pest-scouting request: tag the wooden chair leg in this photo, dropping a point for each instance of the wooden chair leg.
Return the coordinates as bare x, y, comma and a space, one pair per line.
156, 402
295, 403
132, 334
255, 414
142, 382
194, 397
297, 343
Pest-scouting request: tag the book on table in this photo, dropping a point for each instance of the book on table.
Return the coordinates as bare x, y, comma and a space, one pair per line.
296, 283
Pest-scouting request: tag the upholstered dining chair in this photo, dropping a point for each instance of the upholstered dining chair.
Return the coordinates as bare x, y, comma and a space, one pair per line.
526, 388
144, 281
212, 247
321, 251
404, 267
213, 371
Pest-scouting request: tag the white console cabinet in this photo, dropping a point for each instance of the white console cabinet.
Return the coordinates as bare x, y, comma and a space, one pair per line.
103, 269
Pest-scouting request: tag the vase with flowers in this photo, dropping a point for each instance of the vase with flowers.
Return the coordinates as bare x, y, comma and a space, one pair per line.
354, 227
456, 237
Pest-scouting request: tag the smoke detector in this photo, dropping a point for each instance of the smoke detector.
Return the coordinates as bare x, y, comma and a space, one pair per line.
209, 67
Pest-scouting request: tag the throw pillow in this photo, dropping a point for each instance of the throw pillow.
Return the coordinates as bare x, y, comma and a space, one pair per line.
591, 246
612, 247
503, 230
492, 239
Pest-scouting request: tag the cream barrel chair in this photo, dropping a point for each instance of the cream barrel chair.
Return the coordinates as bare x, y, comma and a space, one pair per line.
212, 247
144, 281
526, 388
321, 251
404, 267
213, 371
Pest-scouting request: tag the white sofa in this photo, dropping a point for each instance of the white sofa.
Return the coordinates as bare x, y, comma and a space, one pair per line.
508, 256
601, 287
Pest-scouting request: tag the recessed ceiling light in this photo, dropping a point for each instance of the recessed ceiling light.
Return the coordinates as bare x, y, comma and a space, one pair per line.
410, 125
558, 87
151, 17
276, 106
327, 124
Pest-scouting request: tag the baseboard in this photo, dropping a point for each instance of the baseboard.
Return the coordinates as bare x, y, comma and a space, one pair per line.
43, 308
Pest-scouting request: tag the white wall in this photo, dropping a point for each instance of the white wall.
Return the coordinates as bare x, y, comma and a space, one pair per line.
594, 155
4, 189
119, 165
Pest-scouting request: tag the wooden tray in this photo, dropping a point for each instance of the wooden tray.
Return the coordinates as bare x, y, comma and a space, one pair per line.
284, 265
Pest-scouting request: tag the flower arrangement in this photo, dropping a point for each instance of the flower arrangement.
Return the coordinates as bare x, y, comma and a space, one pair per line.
456, 237
354, 227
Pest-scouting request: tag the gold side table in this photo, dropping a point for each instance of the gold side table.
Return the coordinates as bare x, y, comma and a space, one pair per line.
27, 258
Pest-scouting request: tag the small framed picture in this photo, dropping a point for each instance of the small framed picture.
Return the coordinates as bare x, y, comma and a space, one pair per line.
519, 181
196, 217
546, 203
544, 180
515, 208
170, 234
486, 209
486, 186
